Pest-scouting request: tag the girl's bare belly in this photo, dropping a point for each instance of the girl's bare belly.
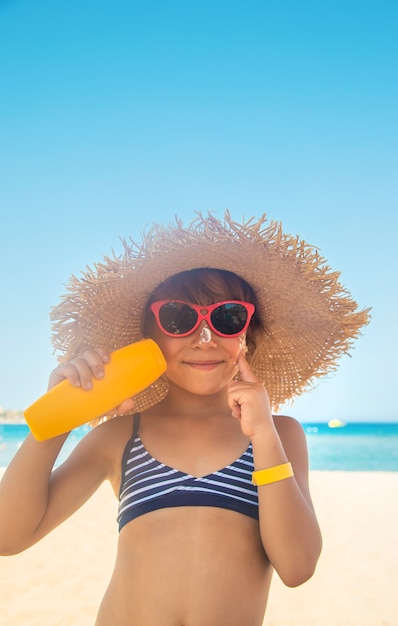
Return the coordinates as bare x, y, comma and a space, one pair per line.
188, 566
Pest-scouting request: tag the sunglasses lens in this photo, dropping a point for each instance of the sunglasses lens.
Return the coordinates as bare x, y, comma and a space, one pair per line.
177, 318
230, 318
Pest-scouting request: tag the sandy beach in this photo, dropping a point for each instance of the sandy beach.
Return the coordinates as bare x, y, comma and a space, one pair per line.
60, 582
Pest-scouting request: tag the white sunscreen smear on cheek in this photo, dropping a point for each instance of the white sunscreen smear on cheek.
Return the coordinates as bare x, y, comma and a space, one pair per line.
242, 343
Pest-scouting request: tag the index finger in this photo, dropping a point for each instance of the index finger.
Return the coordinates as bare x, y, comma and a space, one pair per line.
245, 370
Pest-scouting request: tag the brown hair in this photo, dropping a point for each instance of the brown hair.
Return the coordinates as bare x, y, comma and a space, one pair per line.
206, 286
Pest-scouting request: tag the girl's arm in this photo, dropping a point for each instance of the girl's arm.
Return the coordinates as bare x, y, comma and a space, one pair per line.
289, 529
34, 498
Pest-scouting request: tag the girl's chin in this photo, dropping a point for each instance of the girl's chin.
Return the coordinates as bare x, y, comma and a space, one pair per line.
200, 388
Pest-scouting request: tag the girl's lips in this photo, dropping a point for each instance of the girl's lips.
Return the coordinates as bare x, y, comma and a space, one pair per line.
203, 365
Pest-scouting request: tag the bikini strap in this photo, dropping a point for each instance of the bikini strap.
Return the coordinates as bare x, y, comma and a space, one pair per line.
136, 424
126, 452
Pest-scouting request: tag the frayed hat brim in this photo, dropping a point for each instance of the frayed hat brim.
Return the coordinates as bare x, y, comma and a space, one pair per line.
309, 318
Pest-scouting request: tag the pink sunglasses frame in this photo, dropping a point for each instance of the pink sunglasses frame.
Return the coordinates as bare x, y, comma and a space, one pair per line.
204, 312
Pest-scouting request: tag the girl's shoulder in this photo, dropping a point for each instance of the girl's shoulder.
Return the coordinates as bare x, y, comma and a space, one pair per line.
113, 434
294, 442
105, 443
291, 433
286, 422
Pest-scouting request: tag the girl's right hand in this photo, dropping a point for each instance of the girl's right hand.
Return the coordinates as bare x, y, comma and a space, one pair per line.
80, 371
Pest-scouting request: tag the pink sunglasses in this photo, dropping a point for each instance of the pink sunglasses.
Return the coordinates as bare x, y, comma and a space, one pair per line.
179, 319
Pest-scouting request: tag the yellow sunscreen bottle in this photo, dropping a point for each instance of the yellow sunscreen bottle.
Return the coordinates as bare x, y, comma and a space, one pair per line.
130, 370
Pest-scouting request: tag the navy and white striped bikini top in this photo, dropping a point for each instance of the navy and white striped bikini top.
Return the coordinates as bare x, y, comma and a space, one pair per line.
148, 485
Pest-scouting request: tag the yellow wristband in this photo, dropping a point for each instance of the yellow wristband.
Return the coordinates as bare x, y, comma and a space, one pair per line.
272, 474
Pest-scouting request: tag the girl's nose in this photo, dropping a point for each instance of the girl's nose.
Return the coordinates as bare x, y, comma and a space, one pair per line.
203, 336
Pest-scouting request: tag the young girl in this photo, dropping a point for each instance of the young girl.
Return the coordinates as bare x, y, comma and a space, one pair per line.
213, 489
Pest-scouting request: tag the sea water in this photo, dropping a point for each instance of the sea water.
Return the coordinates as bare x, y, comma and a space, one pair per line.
12, 436
353, 447
345, 447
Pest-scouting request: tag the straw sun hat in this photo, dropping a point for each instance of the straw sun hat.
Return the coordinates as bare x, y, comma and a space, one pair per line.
309, 318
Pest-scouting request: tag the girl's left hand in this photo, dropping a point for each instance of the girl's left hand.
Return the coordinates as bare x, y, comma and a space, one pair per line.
249, 401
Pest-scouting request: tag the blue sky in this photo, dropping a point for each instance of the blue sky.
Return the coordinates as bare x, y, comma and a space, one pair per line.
117, 114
